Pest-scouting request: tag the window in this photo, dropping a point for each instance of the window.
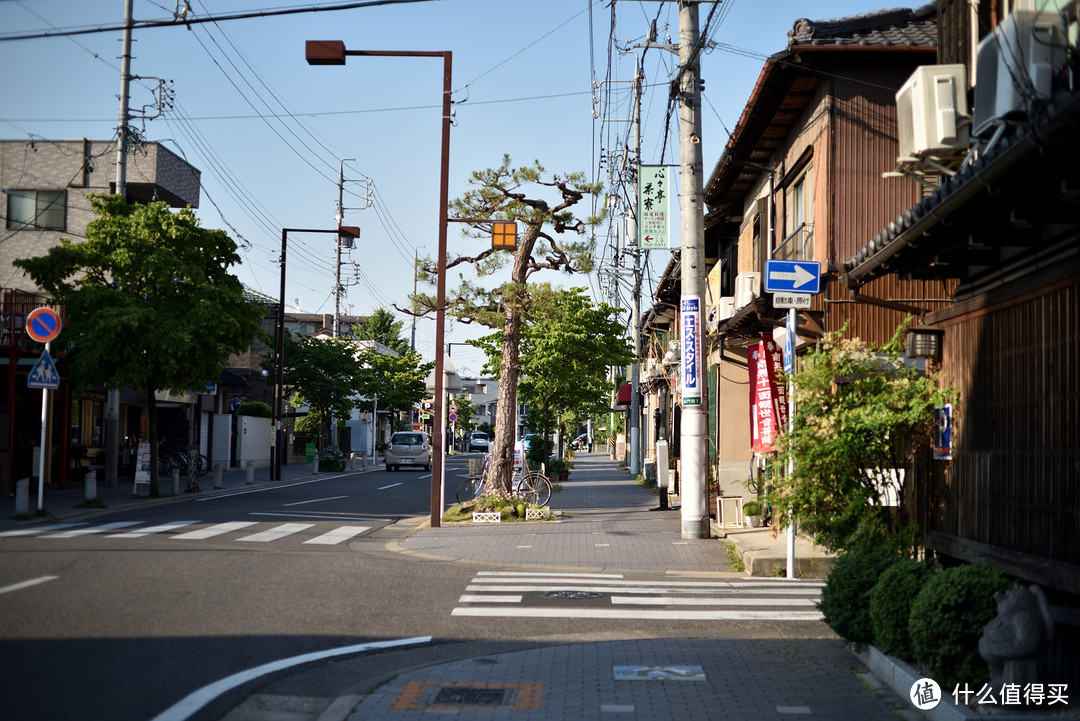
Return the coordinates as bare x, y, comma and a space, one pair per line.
41, 209
798, 241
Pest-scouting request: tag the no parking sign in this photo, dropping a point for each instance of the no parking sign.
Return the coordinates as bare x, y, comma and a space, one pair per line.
43, 324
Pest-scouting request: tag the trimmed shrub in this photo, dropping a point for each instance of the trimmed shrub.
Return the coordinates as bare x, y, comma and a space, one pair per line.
331, 459
258, 409
947, 619
890, 605
845, 599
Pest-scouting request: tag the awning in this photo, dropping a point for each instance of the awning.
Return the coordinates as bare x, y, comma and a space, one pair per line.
623, 398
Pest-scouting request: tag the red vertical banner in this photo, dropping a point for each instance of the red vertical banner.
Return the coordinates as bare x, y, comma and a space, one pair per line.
768, 396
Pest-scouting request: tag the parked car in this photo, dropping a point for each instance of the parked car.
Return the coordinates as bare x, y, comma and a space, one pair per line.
581, 442
478, 441
408, 448
529, 439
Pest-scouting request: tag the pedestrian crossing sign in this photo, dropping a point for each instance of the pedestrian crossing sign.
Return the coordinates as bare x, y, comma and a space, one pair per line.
43, 374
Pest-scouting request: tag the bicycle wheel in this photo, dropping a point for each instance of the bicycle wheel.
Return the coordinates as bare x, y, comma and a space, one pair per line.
466, 490
535, 488
202, 465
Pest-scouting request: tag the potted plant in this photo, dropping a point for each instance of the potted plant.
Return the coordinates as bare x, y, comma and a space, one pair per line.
558, 468
752, 513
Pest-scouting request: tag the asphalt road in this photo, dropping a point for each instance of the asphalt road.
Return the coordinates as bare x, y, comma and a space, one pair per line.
126, 615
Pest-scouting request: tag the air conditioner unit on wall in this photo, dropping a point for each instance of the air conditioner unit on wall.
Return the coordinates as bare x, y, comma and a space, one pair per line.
747, 287
932, 111
1014, 67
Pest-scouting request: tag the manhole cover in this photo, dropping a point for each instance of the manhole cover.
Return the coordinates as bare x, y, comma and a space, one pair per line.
575, 595
456, 696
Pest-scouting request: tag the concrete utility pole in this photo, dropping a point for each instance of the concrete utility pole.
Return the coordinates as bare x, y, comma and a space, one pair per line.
635, 305
695, 422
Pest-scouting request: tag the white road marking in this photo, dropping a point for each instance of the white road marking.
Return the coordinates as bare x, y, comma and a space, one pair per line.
392, 485
190, 704
38, 529
139, 533
688, 601
215, 530
474, 598
273, 534
27, 584
94, 529
640, 614
314, 500
338, 535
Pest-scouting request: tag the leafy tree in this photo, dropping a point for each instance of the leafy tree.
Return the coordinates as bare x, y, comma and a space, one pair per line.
568, 343
324, 374
466, 411
383, 327
553, 239
151, 304
400, 381
860, 413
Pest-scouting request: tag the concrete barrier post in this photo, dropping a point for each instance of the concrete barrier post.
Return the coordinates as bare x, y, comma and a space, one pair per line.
176, 483
251, 473
90, 485
315, 464
22, 497
217, 476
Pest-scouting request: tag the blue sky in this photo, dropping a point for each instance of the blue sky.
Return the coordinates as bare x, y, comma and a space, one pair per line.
268, 131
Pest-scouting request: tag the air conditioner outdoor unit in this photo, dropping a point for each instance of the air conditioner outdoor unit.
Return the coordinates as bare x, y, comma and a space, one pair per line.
747, 287
727, 307
1014, 67
931, 111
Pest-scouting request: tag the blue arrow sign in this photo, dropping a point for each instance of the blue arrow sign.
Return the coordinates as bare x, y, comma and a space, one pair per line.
43, 374
792, 276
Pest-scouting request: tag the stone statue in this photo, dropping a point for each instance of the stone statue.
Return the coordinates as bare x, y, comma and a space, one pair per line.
1014, 643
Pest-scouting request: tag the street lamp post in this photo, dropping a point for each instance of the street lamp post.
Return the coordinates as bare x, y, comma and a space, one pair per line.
279, 343
333, 52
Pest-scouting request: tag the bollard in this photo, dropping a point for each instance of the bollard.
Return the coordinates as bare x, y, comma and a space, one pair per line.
217, 476
90, 483
176, 483
315, 465
22, 497
250, 472
354, 460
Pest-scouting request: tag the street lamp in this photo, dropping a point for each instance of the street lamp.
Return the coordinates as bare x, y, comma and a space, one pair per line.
279, 342
333, 52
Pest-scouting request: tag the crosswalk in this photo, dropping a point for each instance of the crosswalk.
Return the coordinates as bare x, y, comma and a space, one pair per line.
603, 595
257, 532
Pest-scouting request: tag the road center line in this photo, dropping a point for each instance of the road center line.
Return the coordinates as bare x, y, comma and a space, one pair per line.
314, 500
392, 485
27, 584
187, 706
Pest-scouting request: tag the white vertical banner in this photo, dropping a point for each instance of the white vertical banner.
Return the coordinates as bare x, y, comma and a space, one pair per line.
690, 320
654, 197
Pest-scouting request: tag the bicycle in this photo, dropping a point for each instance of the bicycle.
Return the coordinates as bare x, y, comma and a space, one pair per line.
533, 486
172, 461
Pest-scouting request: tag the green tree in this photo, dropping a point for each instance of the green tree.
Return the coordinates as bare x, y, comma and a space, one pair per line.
324, 374
553, 238
568, 342
150, 302
383, 327
861, 416
466, 411
398, 381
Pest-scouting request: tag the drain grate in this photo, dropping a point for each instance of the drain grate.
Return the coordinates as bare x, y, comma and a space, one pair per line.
458, 696
574, 595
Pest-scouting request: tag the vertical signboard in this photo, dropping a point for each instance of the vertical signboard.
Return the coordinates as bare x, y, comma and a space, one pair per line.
654, 184
768, 398
690, 318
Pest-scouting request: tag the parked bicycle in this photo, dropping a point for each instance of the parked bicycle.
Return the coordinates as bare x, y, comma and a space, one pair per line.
533, 486
172, 461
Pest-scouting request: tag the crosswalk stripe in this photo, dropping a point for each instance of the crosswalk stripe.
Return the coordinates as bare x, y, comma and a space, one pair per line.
640, 588
476, 598
140, 532
216, 530
638, 614
338, 535
95, 529
273, 534
38, 529
684, 601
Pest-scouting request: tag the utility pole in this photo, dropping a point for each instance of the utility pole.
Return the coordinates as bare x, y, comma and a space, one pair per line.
695, 422
635, 306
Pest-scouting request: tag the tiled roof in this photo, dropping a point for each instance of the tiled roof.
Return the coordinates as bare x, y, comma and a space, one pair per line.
886, 28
